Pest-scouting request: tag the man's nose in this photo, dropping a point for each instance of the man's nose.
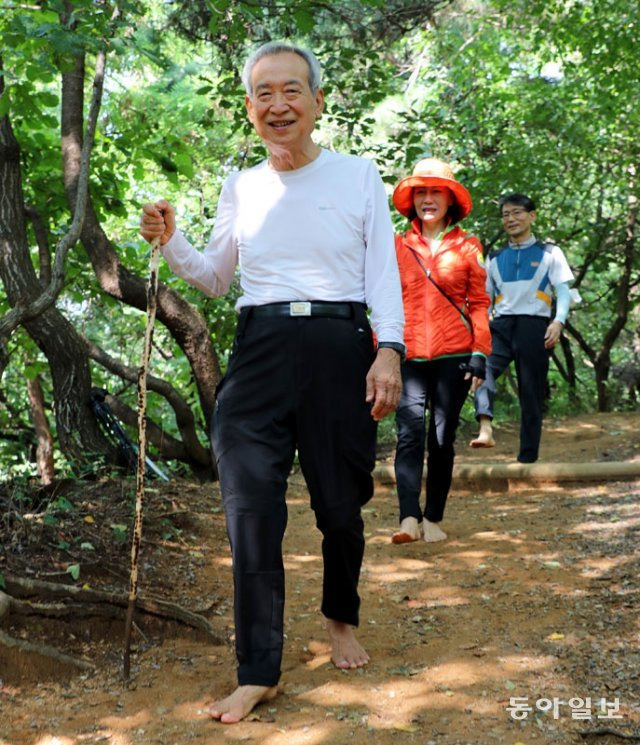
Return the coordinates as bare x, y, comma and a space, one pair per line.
279, 102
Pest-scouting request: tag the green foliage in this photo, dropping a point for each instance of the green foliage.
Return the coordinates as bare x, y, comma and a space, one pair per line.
537, 97
120, 533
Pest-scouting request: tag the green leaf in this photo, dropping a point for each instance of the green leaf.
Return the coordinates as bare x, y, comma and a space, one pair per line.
74, 570
33, 73
34, 369
48, 99
185, 165
62, 503
119, 532
304, 20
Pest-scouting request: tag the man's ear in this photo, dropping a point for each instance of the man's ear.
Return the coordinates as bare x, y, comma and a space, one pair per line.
533, 215
248, 104
319, 98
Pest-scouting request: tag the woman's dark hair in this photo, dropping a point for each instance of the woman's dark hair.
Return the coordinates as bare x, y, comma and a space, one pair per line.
520, 200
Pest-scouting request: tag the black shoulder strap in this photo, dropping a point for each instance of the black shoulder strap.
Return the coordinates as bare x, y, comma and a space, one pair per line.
437, 286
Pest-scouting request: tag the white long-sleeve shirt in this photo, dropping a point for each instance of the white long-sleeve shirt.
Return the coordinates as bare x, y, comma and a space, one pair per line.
520, 277
320, 232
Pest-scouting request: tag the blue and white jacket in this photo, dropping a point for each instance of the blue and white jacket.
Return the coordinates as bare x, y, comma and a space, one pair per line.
520, 278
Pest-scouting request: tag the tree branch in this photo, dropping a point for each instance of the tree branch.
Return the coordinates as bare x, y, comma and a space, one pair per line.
42, 239
20, 314
192, 449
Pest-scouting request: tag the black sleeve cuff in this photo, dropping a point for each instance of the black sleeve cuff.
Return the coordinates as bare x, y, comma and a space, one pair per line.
399, 348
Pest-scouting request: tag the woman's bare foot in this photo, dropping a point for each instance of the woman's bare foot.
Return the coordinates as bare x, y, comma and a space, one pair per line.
432, 532
241, 702
346, 651
409, 531
485, 436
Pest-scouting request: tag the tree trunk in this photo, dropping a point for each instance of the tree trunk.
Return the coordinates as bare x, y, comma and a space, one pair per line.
44, 449
78, 430
567, 367
602, 363
184, 323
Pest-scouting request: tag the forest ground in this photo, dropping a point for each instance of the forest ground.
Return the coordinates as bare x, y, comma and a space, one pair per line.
534, 595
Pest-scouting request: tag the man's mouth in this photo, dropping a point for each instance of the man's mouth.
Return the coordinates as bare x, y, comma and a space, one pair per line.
280, 124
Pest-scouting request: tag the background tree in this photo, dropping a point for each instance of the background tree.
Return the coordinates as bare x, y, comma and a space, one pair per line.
534, 97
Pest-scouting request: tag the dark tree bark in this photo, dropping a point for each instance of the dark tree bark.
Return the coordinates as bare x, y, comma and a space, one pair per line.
602, 361
42, 239
44, 448
601, 357
184, 323
567, 368
189, 449
78, 430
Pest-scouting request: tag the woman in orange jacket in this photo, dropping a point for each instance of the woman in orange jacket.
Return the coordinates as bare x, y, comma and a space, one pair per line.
446, 336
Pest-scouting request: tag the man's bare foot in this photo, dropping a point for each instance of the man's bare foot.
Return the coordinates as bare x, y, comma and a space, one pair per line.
409, 531
346, 651
485, 436
240, 703
432, 532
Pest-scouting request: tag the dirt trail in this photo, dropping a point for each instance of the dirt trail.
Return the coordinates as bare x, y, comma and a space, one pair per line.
534, 596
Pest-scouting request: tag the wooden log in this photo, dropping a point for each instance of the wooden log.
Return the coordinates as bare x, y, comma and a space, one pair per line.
530, 473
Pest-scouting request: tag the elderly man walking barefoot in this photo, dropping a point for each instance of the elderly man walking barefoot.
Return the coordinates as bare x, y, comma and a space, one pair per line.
312, 233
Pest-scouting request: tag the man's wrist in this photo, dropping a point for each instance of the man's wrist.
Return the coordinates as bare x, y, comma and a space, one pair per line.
395, 345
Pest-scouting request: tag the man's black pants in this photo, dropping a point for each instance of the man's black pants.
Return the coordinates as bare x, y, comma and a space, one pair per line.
293, 383
439, 386
519, 339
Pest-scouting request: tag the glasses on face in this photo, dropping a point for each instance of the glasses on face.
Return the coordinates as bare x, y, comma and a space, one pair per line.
513, 213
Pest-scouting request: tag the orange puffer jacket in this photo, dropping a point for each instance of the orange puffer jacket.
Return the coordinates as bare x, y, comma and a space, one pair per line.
432, 327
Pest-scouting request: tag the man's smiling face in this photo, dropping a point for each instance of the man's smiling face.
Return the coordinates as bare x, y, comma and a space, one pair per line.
517, 221
282, 107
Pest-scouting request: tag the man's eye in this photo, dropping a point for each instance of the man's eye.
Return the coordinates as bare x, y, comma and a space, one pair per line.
264, 96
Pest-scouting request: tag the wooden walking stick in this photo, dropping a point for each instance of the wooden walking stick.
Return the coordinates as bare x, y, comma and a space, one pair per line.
152, 292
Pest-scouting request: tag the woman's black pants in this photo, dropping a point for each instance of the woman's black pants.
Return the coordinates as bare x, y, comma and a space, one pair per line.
438, 386
293, 383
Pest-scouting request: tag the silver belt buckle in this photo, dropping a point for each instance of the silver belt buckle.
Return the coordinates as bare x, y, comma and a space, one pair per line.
300, 309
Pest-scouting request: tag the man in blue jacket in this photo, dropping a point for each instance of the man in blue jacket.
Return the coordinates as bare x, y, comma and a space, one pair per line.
520, 279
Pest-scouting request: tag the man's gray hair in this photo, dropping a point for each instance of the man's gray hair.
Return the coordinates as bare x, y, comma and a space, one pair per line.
280, 47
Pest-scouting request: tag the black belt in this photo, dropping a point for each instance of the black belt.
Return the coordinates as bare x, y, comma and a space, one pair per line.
301, 309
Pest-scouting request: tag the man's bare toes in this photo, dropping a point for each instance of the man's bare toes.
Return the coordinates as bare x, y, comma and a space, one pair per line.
240, 703
346, 651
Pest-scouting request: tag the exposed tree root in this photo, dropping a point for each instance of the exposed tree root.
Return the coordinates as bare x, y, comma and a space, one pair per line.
91, 603
602, 731
6, 605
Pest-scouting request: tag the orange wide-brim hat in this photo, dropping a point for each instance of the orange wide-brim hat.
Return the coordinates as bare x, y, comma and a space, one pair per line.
431, 172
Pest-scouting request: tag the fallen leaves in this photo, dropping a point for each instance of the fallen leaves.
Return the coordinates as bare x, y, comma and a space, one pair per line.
556, 636
403, 727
